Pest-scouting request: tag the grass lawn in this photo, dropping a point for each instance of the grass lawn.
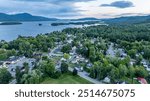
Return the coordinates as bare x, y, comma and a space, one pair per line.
66, 79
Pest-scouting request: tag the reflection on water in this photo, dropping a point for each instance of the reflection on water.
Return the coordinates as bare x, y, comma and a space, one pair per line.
11, 32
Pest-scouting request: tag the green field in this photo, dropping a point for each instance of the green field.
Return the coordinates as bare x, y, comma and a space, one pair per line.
66, 79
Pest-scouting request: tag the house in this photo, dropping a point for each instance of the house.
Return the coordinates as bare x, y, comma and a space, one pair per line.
106, 80
12, 60
124, 82
121, 52
1, 64
86, 60
143, 62
89, 65
82, 59
74, 61
71, 53
68, 35
123, 55
79, 69
69, 41
74, 48
63, 59
37, 55
142, 80
132, 62
93, 40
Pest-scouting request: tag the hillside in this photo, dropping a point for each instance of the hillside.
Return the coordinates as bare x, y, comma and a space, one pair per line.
85, 19
23, 17
127, 20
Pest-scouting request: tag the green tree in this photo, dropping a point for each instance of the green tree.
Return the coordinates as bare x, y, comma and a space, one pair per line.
146, 53
140, 72
122, 71
92, 53
35, 77
66, 56
48, 68
139, 59
92, 73
75, 72
5, 76
114, 75
64, 67
66, 48
131, 73
132, 53
26, 66
18, 75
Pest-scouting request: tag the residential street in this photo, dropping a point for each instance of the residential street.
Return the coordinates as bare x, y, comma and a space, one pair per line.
85, 76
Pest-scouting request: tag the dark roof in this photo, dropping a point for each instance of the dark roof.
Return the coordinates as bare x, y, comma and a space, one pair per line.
13, 59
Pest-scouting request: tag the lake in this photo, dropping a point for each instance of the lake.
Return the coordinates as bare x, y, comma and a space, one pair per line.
11, 32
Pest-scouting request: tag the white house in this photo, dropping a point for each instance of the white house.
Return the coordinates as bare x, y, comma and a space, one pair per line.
107, 80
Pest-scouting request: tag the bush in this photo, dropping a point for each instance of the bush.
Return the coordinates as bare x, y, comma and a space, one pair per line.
5, 76
64, 67
75, 72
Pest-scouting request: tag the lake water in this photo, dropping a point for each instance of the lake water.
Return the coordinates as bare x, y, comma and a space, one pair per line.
11, 32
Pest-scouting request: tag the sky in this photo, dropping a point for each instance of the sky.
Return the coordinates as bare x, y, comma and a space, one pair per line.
76, 8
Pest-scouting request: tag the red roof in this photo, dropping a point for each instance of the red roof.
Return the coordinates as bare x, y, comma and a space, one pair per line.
142, 80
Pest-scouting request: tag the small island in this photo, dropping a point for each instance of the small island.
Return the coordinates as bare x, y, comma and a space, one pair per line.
10, 23
76, 23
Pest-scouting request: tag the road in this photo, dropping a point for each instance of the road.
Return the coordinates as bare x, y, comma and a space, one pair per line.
81, 74
85, 76
13, 81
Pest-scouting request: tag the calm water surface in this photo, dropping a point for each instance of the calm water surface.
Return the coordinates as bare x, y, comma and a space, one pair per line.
11, 32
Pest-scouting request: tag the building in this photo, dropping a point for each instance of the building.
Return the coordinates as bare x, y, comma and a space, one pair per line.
1, 64
106, 80
132, 62
12, 60
142, 80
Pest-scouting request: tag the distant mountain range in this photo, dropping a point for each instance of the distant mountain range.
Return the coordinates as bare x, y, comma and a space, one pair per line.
85, 19
28, 17
23, 17
121, 20
130, 19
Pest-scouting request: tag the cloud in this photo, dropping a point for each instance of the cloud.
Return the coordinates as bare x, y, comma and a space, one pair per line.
56, 1
47, 8
119, 4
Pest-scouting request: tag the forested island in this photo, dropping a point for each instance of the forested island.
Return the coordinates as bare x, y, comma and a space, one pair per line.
114, 54
10, 23
77, 23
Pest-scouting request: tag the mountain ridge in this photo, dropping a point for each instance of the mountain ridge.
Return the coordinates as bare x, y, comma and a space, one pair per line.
23, 17
128, 19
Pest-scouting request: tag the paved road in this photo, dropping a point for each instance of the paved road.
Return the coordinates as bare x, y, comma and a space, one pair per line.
81, 74
85, 76
13, 81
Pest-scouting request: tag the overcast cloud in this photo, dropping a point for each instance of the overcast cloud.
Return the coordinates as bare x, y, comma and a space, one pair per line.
76, 8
